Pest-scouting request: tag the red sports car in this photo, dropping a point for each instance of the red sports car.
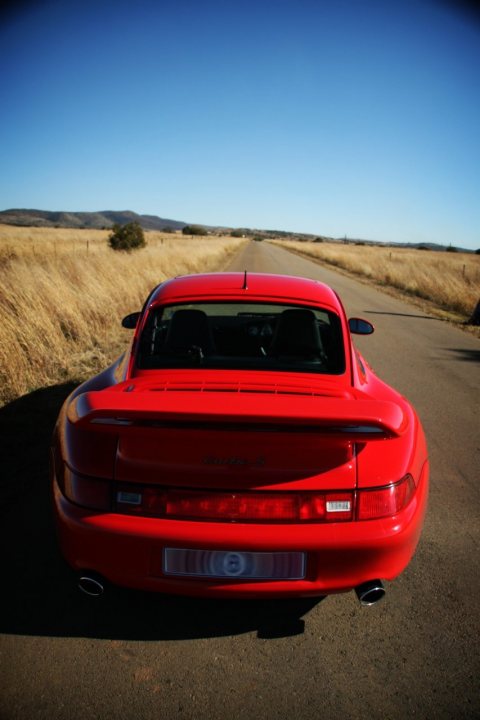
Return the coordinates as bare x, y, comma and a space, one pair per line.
241, 447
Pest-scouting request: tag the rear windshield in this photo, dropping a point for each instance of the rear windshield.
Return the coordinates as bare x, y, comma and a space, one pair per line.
232, 335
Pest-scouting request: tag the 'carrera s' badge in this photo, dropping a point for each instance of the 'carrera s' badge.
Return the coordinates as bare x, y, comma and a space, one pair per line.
234, 461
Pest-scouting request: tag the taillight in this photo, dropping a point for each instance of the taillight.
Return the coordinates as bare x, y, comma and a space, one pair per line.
385, 501
92, 493
235, 506
294, 507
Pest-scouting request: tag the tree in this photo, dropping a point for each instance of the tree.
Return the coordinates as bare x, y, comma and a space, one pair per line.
194, 230
127, 237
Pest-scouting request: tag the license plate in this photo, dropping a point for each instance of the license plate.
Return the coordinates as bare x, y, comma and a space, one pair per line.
234, 564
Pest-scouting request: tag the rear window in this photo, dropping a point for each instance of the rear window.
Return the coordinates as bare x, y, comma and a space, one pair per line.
232, 335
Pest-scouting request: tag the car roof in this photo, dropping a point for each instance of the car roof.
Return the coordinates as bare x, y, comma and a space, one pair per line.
244, 286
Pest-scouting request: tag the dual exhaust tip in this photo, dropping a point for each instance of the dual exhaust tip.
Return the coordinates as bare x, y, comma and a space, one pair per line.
368, 593
91, 584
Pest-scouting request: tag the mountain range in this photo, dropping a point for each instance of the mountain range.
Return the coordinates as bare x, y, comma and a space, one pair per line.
97, 220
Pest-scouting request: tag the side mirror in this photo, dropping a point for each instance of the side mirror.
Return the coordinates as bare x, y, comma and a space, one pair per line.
360, 327
130, 321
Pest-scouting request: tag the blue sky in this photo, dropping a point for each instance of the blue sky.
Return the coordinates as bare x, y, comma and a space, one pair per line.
335, 118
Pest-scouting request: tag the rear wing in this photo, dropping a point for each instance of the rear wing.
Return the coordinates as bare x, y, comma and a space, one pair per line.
356, 419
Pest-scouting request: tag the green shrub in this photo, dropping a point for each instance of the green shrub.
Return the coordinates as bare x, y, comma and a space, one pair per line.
127, 237
194, 230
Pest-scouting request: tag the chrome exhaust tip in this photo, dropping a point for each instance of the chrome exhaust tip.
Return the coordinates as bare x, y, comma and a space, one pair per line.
91, 585
370, 592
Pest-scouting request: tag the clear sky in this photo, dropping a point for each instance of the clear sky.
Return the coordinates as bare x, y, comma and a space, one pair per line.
357, 118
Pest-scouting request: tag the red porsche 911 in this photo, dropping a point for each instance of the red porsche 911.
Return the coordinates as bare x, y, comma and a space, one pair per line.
241, 447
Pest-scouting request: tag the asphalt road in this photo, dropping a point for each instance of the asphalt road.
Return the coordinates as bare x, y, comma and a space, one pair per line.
134, 655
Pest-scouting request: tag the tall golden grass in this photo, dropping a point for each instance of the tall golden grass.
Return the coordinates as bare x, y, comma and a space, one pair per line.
63, 293
449, 280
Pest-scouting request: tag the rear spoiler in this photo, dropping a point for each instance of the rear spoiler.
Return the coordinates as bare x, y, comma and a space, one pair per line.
349, 418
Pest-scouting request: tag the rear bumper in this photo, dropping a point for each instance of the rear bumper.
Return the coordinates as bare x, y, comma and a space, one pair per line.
128, 550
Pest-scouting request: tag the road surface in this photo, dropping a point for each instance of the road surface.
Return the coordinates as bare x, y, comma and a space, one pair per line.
135, 656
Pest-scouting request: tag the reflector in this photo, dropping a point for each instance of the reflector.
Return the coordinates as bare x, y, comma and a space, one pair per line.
232, 506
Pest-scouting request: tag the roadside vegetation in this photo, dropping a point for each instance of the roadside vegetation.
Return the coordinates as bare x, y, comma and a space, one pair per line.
127, 237
194, 230
63, 294
448, 280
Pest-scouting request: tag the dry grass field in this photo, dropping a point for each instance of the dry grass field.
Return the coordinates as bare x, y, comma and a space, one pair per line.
449, 280
63, 293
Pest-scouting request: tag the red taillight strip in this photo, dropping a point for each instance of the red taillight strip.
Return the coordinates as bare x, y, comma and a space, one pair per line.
233, 506
255, 506
224, 506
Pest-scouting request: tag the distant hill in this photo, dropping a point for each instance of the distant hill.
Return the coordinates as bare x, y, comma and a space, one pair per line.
98, 220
